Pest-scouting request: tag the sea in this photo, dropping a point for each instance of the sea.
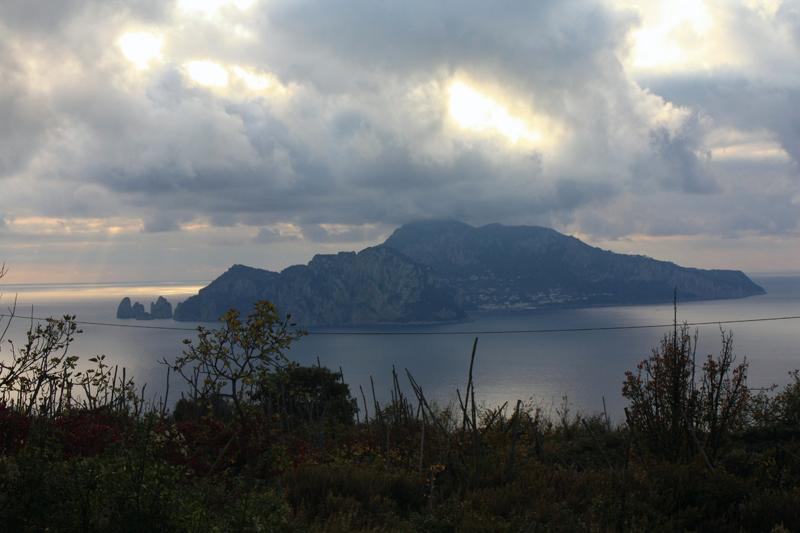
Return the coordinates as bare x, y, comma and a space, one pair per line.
520, 355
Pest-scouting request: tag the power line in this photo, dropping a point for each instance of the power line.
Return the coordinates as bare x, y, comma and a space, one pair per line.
107, 324
459, 332
554, 330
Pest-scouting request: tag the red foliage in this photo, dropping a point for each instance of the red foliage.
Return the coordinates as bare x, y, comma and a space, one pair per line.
89, 433
14, 429
301, 451
204, 440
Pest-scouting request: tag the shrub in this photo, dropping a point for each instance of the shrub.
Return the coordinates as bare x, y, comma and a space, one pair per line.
319, 490
786, 405
674, 413
302, 394
14, 428
88, 433
229, 361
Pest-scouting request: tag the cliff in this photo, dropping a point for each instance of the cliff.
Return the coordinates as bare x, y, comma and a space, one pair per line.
437, 270
376, 285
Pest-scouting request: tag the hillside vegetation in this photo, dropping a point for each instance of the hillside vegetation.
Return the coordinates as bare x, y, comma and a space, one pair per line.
261, 444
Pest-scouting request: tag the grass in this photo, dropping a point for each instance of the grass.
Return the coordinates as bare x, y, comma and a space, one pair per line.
83, 451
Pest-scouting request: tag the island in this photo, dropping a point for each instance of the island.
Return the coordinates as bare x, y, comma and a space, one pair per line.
440, 270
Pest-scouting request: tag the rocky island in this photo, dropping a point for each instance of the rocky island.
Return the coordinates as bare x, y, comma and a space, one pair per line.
375, 285
527, 267
160, 309
436, 271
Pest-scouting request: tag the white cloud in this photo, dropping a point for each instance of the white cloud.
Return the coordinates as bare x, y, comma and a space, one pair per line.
238, 120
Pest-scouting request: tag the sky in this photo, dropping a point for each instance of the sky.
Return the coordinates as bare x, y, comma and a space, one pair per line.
158, 140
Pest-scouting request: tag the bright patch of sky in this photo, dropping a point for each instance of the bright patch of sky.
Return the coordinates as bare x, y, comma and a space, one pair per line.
141, 48
263, 131
475, 111
207, 73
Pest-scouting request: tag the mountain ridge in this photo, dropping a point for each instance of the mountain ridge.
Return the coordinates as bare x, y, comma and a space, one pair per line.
375, 285
496, 267
439, 270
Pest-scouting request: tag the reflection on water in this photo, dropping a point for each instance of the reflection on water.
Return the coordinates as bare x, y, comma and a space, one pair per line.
585, 366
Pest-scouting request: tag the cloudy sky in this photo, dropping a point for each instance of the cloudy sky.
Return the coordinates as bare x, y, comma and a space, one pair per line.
155, 140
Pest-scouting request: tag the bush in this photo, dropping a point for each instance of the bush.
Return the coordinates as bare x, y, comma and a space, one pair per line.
321, 490
228, 362
302, 394
673, 413
14, 428
786, 405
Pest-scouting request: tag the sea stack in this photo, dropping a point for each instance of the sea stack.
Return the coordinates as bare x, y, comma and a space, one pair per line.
125, 311
161, 308
139, 313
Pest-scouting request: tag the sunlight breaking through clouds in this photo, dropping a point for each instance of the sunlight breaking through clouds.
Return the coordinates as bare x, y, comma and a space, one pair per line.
207, 73
234, 81
297, 125
737, 145
253, 80
674, 35
211, 7
141, 48
475, 111
43, 225
767, 8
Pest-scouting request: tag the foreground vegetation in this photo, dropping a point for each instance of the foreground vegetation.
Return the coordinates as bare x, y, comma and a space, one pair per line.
261, 444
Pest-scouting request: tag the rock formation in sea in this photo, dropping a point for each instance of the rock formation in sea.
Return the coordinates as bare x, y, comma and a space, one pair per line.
139, 313
124, 310
160, 309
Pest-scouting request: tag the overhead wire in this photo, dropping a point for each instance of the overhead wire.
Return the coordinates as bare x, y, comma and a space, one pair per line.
405, 332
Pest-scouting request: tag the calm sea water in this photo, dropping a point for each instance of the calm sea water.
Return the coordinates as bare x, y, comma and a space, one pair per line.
584, 366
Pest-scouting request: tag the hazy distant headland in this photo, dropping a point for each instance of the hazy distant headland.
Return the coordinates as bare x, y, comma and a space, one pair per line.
440, 270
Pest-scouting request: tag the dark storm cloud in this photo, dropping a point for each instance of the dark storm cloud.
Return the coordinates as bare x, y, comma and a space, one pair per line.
216, 156
570, 194
346, 234
273, 235
549, 41
22, 121
361, 138
160, 223
677, 164
745, 104
47, 17
34, 33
